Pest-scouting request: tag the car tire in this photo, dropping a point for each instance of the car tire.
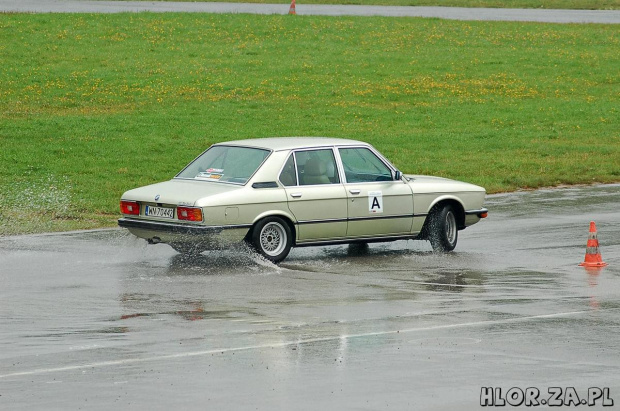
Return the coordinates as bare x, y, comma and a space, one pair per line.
443, 229
272, 238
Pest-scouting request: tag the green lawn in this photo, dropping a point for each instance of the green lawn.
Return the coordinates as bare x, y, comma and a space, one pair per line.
92, 105
525, 4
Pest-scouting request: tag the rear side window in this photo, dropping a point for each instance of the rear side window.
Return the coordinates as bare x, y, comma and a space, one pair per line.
316, 167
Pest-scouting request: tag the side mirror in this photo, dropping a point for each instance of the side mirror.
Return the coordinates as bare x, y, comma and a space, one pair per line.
398, 175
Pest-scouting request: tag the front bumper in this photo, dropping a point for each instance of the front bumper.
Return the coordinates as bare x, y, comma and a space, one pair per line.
479, 213
473, 216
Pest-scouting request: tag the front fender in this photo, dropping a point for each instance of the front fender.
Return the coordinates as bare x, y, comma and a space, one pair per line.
446, 199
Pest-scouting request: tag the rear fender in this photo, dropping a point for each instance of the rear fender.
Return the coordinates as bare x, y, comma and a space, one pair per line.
288, 218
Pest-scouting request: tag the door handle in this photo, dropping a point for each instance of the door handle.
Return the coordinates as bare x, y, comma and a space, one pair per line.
355, 191
296, 195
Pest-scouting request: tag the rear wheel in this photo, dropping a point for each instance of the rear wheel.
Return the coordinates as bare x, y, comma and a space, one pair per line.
443, 229
272, 238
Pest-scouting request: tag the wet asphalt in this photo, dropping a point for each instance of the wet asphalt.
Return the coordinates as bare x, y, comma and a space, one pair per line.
452, 13
99, 320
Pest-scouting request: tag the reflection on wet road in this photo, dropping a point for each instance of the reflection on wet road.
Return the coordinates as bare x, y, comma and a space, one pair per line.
99, 319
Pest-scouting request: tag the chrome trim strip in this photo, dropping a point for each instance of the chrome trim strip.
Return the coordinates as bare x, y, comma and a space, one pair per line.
327, 220
387, 217
342, 220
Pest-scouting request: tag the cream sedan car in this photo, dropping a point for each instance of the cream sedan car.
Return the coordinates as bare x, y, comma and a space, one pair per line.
279, 193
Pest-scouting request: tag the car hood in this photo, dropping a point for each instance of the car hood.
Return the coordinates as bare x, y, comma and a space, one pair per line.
179, 192
429, 184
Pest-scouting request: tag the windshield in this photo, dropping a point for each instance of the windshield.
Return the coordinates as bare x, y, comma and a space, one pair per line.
225, 164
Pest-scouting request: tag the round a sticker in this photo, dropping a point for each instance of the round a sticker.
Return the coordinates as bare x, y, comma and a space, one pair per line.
375, 202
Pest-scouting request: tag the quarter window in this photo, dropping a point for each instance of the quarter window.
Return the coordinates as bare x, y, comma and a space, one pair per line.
288, 176
361, 165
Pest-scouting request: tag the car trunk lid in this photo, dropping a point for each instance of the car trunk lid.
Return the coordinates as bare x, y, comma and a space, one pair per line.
178, 192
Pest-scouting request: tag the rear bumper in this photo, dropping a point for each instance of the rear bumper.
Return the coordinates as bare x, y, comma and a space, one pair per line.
159, 231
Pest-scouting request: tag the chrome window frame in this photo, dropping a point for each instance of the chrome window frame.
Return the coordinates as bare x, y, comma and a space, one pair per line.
377, 154
339, 164
336, 164
294, 152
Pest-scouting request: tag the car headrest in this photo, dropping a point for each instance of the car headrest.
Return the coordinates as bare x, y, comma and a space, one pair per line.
315, 167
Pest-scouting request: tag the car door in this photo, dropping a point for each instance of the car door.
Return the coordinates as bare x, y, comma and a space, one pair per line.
378, 205
315, 195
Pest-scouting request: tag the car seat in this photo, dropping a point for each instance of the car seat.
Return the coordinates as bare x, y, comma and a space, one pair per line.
315, 172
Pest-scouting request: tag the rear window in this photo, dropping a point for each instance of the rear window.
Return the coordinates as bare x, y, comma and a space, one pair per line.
225, 164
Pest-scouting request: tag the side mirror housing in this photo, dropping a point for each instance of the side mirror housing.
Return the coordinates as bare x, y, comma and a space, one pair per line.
398, 175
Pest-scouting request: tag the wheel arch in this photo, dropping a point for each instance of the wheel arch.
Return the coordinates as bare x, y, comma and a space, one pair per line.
284, 216
439, 204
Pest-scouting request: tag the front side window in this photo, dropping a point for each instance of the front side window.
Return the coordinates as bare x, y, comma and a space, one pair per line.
316, 167
361, 165
226, 164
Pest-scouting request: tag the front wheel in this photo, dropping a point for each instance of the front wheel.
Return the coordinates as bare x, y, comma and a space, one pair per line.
443, 230
272, 238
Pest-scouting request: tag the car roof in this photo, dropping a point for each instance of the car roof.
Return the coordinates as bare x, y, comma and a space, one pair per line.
289, 143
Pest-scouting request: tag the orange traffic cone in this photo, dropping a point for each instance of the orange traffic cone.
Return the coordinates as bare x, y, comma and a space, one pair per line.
291, 10
593, 255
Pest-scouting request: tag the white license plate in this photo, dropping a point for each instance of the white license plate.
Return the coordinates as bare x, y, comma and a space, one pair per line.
161, 212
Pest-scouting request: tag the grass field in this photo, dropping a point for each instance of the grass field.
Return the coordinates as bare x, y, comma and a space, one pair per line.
92, 105
519, 4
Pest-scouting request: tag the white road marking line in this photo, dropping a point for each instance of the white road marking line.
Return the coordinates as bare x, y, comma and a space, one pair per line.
290, 343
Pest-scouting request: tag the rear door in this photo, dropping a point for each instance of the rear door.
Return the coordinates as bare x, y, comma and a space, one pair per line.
377, 205
315, 195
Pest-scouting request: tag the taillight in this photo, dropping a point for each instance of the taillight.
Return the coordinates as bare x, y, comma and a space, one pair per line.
130, 207
189, 213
